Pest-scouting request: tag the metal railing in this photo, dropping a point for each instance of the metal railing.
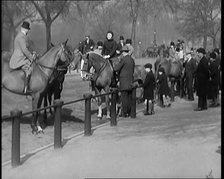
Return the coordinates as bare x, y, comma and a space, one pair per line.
16, 115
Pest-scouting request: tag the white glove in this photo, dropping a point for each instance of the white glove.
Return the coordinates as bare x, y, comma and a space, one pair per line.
107, 56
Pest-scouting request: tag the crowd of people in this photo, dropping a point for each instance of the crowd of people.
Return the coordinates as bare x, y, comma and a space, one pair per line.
202, 71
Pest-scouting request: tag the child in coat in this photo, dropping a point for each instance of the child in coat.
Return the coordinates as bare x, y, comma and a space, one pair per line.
164, 90
149, 87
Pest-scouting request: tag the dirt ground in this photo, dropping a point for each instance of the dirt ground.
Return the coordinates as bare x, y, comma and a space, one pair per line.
72, 115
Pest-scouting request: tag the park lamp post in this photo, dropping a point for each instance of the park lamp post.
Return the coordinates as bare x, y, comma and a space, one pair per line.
154, 41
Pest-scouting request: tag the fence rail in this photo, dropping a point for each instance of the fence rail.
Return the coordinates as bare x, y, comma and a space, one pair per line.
17, 114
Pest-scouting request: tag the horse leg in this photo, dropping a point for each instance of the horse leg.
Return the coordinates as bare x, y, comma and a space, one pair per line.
172, 90
37, 105
35, 102
108, 106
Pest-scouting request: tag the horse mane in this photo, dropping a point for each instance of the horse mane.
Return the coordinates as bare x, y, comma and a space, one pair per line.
49, 52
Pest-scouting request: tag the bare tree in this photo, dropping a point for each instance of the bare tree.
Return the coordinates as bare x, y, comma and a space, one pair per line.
200, 19
13, 14
49, 11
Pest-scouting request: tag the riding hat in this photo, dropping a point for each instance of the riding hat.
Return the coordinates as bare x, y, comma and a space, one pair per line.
161, 69
125, 48
109, 31
26, 25
172, 44
216, 50
201, 50
148, 65
100, 44
212, 55
128, 41
121, 37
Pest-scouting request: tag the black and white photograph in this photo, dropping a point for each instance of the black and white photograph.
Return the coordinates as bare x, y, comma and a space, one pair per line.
111, 89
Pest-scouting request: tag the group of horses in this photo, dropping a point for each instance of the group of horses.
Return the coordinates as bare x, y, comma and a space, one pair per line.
44, 68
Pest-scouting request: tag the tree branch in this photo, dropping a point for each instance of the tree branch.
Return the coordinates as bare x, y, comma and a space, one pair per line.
39, 10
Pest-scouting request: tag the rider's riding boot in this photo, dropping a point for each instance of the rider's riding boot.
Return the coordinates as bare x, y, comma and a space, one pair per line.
27, 80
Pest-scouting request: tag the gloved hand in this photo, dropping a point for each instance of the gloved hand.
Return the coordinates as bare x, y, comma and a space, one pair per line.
107, 56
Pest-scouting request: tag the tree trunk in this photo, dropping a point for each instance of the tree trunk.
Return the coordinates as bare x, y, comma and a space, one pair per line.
13, 35
205, 42
48, 35
214, 42
133, 31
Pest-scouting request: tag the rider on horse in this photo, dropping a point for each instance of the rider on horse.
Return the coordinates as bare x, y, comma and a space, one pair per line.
109, 51
22, 56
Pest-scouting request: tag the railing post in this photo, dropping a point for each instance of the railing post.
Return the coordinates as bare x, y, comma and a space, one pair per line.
15, 155
57, 124
113, 121
133, 103
87, 97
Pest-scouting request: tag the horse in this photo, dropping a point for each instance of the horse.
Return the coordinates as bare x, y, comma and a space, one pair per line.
103, 76
173, 70
54, 86
42, 69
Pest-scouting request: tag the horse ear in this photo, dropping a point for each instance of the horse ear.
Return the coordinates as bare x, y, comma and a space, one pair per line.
66, 42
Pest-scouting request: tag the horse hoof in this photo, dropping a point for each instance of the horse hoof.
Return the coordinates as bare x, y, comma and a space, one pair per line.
34, 129
108, 117
100, 117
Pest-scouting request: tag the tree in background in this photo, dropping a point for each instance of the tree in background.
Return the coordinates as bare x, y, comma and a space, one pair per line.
13, 14
199, 19
49, 11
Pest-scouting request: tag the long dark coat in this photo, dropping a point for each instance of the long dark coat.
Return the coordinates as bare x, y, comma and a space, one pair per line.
214, 80
149, 86
163, 85
109, 48
125, 69
202, 77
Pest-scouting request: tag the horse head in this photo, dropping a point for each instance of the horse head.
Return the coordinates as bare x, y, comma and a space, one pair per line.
77, 57
65, 53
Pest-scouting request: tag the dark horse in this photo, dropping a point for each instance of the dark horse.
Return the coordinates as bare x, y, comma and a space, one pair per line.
42, 69
104, 73
173, 70
55, 84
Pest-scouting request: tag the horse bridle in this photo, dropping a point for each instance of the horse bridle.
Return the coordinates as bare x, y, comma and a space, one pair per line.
58, 68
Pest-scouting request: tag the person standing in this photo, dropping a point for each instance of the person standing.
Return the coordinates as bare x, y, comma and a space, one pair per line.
131, 50
88, 44
190, 68
202, 77
120, 45
23, 56
218, 61
149, 87
213, 80
125, 70
164, 90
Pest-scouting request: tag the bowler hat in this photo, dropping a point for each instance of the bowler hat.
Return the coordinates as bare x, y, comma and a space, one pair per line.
128, 41
148, 65
26, 25
212, 55
201, 50
125, 48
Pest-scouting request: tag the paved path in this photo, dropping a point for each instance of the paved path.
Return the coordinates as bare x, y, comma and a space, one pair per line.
175, 142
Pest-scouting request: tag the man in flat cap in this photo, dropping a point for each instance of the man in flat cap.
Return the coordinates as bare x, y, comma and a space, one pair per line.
22, 56
125, 70
202, 77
